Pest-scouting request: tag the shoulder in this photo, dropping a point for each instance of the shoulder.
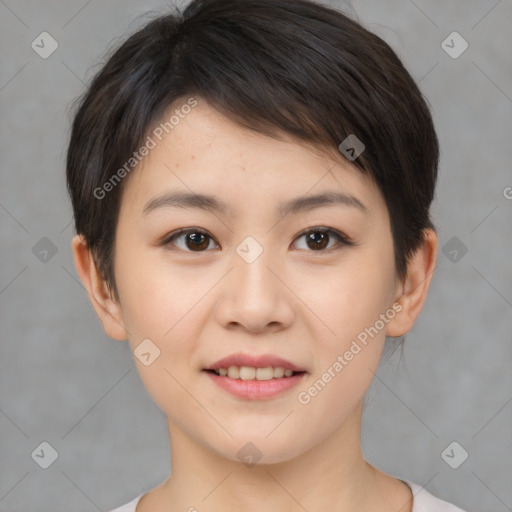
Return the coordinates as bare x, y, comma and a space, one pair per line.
129, 507
426, 502
423, 502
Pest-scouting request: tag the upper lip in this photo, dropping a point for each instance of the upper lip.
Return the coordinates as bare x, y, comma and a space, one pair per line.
262, 361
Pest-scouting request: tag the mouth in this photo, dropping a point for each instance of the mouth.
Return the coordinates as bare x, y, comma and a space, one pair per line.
255, 383
250, 373
254, 377
250, 366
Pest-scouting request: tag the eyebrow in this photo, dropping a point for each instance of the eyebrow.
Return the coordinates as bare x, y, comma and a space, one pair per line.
211, 203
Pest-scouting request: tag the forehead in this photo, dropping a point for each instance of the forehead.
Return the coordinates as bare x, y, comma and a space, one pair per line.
206, 154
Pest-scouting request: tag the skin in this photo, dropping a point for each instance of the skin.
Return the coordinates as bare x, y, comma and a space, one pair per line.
304, 304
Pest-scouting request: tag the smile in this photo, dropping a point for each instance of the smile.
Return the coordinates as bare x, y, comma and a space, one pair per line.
255, 383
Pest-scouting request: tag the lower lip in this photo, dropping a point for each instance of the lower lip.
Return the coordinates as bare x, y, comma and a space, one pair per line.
256, 389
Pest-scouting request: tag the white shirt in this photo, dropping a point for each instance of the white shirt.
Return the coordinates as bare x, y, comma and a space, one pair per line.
423, 501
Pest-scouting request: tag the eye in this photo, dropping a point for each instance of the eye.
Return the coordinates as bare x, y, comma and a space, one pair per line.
195, 239
198, 240
318, 238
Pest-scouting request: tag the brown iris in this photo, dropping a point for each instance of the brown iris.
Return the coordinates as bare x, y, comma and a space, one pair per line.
319, 239
199, 241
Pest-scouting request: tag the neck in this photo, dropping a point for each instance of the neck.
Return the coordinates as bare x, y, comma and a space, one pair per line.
332, 475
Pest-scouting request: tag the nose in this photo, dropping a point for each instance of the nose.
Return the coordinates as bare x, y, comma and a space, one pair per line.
255, 296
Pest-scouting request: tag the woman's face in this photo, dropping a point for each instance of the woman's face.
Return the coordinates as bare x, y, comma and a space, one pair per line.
245, 279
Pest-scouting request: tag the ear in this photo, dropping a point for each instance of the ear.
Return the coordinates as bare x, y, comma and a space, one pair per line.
101, 297
412, 292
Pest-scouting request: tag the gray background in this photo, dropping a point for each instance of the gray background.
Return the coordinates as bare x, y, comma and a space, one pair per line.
63, 381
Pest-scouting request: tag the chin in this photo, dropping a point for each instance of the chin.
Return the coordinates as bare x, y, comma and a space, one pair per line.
257, 451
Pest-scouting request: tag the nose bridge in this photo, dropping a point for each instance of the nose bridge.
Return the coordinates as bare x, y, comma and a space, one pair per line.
254, 296
252, 261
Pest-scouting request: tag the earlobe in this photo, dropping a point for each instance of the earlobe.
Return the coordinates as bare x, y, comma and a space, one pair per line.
102, 300
414, 289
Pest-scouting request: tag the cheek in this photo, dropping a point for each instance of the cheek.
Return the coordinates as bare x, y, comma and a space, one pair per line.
348, 358
155, 297
354, 304
352, 298
159, 305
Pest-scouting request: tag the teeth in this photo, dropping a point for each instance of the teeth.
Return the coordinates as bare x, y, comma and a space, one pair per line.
250, 373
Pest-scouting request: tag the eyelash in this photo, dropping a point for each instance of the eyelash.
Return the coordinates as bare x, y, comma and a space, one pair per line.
343, 240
